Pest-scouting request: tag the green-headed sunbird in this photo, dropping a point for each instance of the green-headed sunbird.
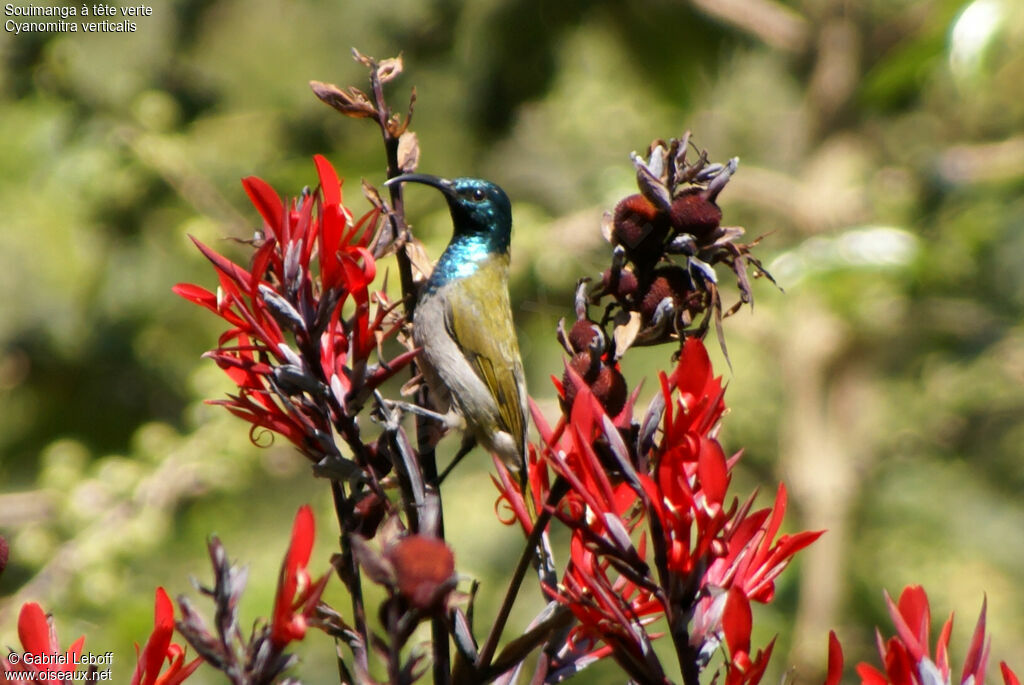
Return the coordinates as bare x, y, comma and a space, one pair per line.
463, 321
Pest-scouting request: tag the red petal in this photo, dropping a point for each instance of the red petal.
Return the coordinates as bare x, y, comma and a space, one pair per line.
941, 653
911, 619
34, 630
194, 293
329, 184
267, 202
260, 260
712, 470
869, 675
977, 653
283, 629
835, 660
737, 621
236, 273
899, 665
156, 649
1009, 677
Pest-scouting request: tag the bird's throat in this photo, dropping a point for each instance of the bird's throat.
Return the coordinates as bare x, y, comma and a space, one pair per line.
463, 257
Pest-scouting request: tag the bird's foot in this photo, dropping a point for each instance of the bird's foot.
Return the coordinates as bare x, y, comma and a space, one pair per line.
392, 411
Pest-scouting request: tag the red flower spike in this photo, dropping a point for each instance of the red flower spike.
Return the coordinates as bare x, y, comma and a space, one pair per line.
297, 595
670, 500
311, 262
906, 657
159, 647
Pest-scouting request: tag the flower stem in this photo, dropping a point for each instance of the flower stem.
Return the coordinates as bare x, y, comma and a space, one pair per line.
558, 490
350, 572
424, 446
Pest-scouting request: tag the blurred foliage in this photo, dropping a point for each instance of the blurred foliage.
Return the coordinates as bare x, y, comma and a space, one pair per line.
882, 156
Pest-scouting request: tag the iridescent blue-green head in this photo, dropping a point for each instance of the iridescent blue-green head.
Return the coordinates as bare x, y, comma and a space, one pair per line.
480, 210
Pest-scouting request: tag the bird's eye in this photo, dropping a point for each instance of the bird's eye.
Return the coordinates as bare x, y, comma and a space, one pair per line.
478, 194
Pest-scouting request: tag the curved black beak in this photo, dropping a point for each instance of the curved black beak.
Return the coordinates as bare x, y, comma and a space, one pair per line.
442, 184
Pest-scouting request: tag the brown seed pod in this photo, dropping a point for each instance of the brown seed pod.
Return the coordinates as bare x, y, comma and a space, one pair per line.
620, 283
606, 382
641, 230
670, 281
693, 213
584, 366
582, 334
610, 390
424, 570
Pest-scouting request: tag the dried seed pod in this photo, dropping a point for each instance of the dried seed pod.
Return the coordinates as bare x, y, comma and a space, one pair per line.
695, 214
606, 382
669, 282
641, 230
582, 335
586, 367
619, 283
610, 389
424, 570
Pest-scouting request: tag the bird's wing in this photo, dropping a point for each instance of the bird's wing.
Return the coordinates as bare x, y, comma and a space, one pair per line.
478, 317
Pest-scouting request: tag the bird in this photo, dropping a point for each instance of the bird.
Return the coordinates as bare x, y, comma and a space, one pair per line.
463, 323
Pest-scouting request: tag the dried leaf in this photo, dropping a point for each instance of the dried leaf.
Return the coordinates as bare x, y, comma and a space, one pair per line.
421, 263
352, 103
389, 69
372, 195
412, 103
408, 152
362, 59
607, 224
652, 187
627, 325
463, 634
376, 567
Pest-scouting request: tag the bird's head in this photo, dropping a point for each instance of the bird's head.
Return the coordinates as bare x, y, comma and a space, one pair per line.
478, 207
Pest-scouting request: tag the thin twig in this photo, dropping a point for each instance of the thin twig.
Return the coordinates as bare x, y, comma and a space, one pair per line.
558, 490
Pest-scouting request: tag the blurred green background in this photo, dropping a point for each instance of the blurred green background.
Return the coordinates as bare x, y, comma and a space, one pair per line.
882, 154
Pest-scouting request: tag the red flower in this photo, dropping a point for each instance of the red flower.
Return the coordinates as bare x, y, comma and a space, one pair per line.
297, 362
159, 647
297, 596
652, 534
38, 637
907, 658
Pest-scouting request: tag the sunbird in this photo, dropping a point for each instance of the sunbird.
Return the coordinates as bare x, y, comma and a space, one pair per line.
463, 323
